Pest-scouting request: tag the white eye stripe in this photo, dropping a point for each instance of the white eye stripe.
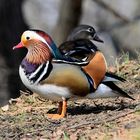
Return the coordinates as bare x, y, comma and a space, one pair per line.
42, 39
32, 34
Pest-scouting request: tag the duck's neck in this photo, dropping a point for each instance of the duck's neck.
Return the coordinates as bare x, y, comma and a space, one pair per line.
38, 54
36, 73
28, 67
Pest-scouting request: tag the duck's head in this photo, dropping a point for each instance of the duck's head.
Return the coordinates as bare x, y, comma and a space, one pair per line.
84, 32
40, 46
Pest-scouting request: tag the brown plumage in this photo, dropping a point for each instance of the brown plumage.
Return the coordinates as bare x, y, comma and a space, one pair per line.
97, 68
69, 76
39, 53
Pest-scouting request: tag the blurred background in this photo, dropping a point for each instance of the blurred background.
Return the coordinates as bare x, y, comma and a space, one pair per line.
117, 23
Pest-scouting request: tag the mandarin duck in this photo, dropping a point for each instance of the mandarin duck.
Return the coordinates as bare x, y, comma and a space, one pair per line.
58, 77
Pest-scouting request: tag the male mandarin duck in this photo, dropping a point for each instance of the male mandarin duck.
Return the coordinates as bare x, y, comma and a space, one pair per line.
58, 77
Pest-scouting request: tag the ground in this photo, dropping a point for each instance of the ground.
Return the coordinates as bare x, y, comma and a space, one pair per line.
102, 119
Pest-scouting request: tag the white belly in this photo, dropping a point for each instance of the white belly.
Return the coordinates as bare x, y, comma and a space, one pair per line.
50, 91
103, 92
57, 93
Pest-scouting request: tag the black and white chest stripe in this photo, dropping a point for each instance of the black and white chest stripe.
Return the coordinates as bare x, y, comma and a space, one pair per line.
40, 73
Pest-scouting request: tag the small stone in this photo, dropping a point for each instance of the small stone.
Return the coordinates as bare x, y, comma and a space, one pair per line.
137, 108
5, 108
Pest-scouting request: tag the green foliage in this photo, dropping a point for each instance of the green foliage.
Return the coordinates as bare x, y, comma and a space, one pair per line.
66, 136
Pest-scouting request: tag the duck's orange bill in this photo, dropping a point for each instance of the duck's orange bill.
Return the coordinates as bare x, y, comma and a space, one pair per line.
20, 45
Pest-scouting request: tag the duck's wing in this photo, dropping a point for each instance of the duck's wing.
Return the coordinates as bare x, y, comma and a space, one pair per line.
77, 52
112, 77
78, 49
109, 80
72, 61
117, 90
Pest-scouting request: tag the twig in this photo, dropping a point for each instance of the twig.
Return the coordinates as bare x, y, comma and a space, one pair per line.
101, 122
37, 130
124, 19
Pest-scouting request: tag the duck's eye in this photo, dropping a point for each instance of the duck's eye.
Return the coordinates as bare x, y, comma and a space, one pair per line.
27, 37
90, 29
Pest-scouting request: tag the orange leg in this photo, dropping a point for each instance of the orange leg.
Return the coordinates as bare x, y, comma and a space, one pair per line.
60, 108
61, 111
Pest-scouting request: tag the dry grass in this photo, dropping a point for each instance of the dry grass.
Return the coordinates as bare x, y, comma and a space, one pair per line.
111, 119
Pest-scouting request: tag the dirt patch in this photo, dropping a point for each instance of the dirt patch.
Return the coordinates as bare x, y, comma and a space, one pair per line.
102, 119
